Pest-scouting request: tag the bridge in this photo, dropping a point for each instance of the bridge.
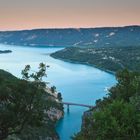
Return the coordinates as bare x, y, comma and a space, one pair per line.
76, 104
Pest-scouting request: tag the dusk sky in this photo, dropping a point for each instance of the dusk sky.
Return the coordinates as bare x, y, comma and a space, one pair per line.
29, 14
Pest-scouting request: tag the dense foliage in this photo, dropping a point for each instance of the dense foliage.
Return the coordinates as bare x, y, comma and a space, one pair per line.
112, 59
23, 106
116, 117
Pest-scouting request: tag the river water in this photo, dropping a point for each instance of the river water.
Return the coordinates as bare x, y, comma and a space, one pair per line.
78, 83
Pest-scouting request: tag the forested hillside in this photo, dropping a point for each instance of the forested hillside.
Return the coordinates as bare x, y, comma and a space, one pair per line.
27, 110
106, 58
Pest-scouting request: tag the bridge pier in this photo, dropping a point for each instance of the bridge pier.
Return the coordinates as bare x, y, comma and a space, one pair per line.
68, 107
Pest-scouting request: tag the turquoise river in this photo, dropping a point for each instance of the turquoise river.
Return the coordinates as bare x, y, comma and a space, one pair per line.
78, 83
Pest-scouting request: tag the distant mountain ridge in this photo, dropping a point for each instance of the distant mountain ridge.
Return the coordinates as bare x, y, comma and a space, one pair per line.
96, 37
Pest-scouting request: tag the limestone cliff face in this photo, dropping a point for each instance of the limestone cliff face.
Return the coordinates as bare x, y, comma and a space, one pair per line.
55, 114
86, 115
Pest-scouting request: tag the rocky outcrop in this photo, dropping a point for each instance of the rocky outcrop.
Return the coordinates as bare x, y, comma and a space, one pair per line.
54, 114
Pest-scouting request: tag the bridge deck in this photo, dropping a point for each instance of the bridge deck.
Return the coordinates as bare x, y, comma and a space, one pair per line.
76, 104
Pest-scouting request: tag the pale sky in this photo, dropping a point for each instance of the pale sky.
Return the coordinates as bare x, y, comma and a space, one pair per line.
29, 14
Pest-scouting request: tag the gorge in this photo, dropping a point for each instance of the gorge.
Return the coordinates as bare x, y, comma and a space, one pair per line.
78, 83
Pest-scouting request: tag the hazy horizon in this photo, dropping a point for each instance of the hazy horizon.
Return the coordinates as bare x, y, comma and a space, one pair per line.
36, 14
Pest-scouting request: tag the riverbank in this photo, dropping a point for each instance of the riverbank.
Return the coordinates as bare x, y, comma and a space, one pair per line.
85, 63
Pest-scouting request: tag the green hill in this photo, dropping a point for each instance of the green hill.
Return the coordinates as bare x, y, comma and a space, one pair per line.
106, 58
